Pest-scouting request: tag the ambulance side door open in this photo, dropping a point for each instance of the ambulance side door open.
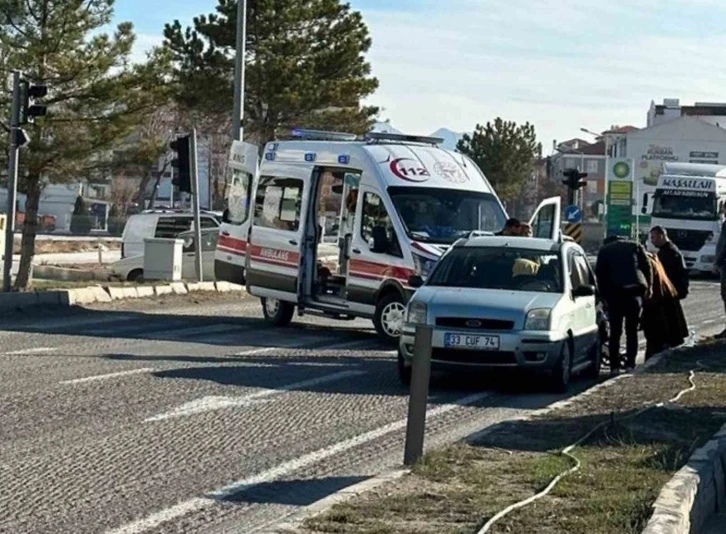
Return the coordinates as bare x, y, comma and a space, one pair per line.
546, 219
276, 237
233, 232
376, 253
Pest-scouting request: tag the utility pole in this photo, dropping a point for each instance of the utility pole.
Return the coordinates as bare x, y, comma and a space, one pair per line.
195, 206
239, 72
12, 184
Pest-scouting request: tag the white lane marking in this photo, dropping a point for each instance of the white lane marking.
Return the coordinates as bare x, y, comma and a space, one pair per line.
38, 350
107, 376
208, 404
284, 469
308, 344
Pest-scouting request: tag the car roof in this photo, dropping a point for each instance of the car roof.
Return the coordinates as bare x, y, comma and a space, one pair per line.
515, 242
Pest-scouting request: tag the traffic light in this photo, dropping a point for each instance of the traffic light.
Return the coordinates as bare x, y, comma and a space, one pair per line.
574, 179
29, 110
182, 163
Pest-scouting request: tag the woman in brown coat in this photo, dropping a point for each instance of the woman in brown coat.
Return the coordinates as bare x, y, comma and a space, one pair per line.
663, 322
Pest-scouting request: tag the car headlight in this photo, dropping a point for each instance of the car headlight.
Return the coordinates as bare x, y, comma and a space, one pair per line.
708, 259
538, 319
423, 265
416, 313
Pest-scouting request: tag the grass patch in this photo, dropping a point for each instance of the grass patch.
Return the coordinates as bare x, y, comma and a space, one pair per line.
455, 490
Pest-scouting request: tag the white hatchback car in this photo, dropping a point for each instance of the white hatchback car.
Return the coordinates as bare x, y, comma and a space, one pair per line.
132, 268
509, 302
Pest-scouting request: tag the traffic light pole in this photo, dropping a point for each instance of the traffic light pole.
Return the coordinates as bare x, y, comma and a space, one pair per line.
239, 72
196, 206
12, 184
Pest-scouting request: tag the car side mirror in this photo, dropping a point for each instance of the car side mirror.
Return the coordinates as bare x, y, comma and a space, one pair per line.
415, 281
584, 291
380, 240
225, 216
644, 210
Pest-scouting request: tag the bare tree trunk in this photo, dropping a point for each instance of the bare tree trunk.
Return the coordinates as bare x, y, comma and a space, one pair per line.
30, 229
154, 193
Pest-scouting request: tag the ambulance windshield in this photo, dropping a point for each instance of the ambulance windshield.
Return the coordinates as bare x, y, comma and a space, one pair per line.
445, 215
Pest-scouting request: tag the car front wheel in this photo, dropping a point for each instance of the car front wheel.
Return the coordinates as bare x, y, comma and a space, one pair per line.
389, 318
562, 372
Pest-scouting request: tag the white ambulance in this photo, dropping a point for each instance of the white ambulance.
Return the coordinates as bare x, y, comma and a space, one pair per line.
397, 201
688, 202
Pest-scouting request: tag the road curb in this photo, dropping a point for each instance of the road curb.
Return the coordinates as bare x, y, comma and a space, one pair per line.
695, 493
104, 294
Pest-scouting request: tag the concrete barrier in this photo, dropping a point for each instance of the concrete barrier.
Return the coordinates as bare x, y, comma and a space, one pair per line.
201, 286
145, 291
99, 294
163, 290
694, 494
178, 288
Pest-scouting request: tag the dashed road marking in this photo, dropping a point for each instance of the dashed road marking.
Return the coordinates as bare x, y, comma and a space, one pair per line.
212, 403
22, 352
200, 503
108, 376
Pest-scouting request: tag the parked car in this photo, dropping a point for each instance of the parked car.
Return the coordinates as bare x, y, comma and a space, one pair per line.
509, 302
159, 223
132, 268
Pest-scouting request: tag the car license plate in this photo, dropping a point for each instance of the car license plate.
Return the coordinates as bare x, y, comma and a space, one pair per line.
463, 341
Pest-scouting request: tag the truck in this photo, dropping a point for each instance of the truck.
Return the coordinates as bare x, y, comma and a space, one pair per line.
688, 202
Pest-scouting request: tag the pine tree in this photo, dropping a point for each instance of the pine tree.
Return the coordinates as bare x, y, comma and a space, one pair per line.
505, 152
95, 94
305, 66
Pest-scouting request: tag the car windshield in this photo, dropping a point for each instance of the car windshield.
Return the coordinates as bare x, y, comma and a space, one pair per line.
689, 205
445, 215
499, 268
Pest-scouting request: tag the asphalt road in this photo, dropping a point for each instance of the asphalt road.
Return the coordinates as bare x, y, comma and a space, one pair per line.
196, 417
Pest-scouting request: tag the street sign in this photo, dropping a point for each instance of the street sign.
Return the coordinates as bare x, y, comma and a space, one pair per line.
620, 208
573, 214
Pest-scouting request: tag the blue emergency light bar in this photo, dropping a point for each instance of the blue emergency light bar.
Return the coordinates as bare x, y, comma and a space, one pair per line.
403, 138
321, 135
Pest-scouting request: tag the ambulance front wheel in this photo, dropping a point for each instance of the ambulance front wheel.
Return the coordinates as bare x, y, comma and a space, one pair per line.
389, 318
277, 312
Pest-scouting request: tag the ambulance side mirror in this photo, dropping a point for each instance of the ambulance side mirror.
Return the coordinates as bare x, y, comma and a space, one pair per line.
225, 216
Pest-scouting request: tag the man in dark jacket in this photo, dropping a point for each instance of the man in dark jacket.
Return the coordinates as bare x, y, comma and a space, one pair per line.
672, 260
625, 278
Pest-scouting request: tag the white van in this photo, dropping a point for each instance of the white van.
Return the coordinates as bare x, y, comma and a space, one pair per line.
688, 202
159, 223
401, 202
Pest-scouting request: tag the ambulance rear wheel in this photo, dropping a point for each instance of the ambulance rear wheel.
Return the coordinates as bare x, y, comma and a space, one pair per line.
277, 312
389, 318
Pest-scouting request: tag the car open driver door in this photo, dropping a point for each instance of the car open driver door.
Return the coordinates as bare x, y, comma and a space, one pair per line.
546, 219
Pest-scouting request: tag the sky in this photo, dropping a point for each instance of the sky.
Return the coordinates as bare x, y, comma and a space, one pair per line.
456, 63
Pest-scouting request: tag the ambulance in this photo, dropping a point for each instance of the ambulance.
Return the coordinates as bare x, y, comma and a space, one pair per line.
688, 202
397, 202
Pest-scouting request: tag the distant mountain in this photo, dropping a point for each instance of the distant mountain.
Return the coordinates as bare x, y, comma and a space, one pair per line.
385, 127
451, 138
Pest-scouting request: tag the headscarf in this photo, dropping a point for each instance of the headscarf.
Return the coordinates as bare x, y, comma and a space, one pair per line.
662, 286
